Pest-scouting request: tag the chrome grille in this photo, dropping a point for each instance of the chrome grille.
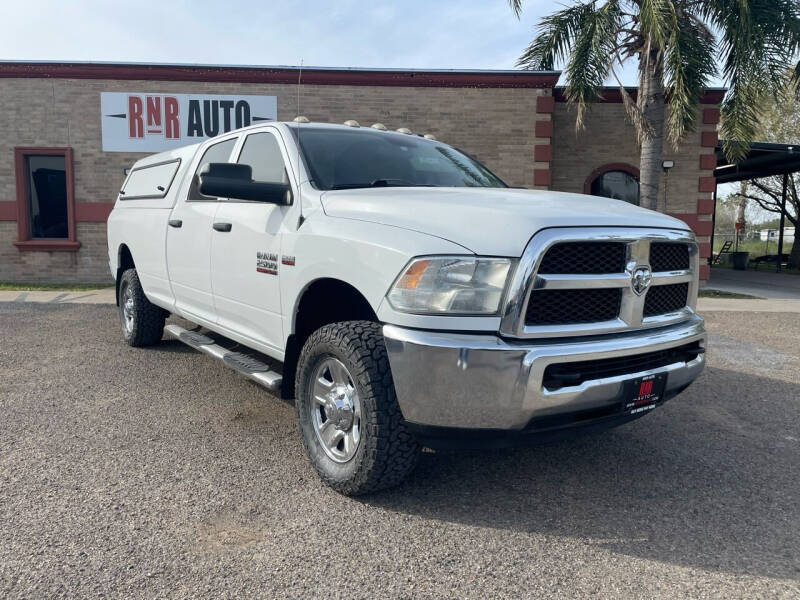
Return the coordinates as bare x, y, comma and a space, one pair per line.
553, 307
669, 256
582, 258
578, 281
664, 299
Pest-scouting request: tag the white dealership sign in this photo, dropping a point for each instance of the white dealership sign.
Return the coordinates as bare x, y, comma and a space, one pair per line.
139, 122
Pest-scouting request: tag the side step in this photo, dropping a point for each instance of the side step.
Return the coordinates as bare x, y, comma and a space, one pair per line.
247, 365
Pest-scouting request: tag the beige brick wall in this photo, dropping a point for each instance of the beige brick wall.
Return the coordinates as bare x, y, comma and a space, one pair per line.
89, 264
609, 138
497, 125
494, 124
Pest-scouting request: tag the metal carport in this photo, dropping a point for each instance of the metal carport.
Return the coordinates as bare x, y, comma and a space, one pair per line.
763, 159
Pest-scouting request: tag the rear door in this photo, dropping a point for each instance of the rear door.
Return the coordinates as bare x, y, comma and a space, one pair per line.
246, 259
189, 240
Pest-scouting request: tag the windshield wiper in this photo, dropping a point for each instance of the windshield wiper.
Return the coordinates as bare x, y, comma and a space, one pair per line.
348, 186
391, 182
380, 183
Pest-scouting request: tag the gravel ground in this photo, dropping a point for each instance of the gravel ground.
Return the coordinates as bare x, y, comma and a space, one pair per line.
160, 473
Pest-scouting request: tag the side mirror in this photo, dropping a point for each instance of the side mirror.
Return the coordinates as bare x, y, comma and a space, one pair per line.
229, 180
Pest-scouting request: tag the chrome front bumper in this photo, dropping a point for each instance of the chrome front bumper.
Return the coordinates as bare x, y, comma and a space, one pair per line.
450, 380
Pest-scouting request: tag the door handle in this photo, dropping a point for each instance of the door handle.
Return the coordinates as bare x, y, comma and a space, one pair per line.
225, 227
175, 223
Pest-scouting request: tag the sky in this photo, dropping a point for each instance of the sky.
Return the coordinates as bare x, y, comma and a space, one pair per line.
432, 34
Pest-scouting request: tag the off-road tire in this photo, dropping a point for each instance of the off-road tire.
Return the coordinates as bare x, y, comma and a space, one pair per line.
387, 451
147, 326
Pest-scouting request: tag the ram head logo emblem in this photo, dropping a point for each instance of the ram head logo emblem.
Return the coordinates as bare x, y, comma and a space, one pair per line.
640, 279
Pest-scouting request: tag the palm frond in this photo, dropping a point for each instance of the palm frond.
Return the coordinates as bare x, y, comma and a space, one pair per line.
756, 42
657, 20
759, 41
593, 54
555, 36
740, 124
516, 6
636, 115
688, 67
794, 81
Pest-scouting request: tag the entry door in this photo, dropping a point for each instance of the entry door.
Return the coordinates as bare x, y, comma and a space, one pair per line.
189, 241
245, 261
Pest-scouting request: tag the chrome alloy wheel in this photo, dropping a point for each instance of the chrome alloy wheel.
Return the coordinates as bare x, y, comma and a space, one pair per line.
336, 410
127, 308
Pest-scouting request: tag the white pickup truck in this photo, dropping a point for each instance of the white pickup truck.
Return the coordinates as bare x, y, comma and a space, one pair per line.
412, 298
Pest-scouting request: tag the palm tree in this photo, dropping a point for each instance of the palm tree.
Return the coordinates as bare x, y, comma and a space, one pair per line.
679, 45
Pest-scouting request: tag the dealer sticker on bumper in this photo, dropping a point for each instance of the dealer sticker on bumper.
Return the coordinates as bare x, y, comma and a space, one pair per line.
644, 393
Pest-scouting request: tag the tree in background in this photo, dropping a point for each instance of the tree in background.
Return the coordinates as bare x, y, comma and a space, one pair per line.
741, 211
678, 44
725, 221
779, 122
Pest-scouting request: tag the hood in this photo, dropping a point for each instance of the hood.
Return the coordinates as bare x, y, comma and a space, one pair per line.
487, 221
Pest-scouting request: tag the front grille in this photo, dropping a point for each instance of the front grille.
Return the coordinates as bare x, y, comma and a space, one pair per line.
564, 307
579, 282
584, 258
663, 299
561, 375
669, 256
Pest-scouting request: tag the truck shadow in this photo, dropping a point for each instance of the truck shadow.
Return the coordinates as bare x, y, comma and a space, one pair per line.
173, 346
709, 480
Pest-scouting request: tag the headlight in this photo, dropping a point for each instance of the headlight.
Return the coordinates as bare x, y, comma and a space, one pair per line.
451, 285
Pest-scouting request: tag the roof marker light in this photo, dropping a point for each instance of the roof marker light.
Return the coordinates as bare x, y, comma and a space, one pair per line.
429, 136
379, 126
352, 123
405, 130
301, 119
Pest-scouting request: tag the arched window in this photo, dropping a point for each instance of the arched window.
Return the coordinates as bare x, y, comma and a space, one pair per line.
618, 181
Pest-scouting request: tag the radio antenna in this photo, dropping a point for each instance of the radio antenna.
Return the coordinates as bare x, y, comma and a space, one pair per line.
300, 219
299, 81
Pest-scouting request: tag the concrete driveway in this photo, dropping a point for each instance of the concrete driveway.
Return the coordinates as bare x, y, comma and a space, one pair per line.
101, 296
765, 284
160, 473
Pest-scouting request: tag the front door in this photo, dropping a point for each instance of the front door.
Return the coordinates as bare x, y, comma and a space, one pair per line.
246, 249
189, 241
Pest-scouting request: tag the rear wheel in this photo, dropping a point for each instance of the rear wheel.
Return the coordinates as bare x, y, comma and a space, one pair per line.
142, 321
351, 425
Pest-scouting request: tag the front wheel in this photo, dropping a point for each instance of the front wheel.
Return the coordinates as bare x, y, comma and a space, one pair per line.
351, 425
142, 321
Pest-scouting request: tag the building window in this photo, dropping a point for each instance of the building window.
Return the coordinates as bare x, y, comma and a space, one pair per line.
618, 181
45, 202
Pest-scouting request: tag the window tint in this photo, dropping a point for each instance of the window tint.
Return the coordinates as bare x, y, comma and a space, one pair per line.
150, 182
262, 153
218, 153
47, 196
618, 185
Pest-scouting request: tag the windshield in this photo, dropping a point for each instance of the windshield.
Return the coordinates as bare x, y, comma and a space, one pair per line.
340, 159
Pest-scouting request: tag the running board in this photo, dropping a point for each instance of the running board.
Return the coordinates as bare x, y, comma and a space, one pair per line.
247, 365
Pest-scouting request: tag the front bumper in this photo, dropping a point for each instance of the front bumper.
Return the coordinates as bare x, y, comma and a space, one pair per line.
451, 381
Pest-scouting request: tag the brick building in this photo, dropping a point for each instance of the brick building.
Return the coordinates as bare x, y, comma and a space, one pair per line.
62, 162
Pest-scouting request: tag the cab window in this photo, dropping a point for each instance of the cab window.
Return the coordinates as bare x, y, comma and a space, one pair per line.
218, 153
262, 153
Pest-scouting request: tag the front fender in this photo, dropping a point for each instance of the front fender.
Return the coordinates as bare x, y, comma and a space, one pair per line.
367, 256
